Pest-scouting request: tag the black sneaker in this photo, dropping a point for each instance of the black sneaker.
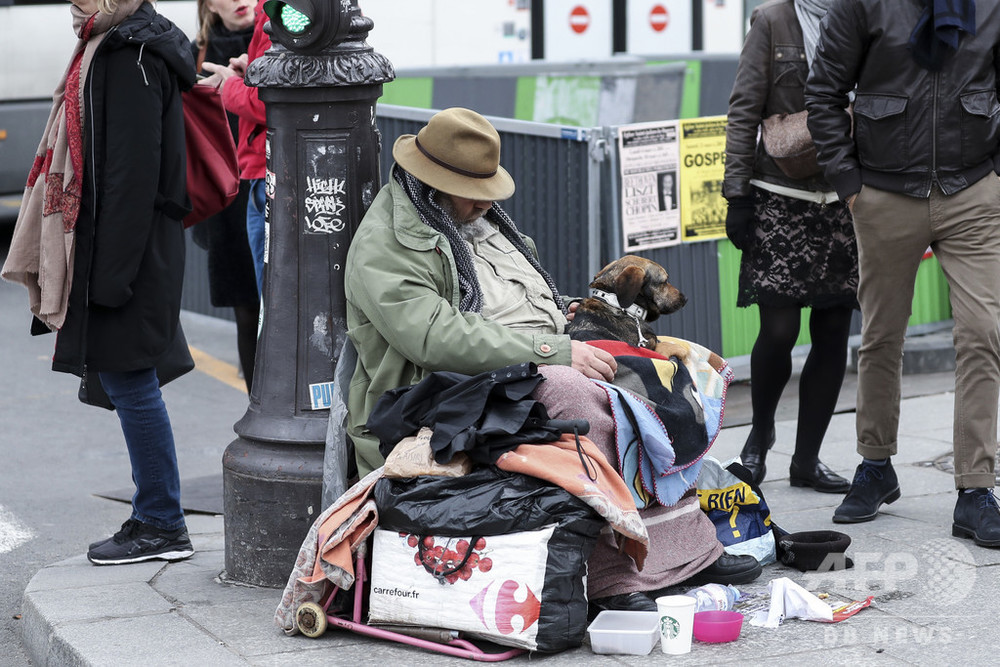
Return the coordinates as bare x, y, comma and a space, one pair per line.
977, 516
872, 486
138, 541
123, 532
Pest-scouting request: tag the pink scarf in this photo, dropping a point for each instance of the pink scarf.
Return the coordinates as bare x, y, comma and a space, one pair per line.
44, 241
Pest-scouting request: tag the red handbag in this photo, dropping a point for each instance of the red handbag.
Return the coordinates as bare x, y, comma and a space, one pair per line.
213, 178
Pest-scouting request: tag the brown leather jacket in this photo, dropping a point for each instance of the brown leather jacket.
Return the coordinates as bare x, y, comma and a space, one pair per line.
770, 79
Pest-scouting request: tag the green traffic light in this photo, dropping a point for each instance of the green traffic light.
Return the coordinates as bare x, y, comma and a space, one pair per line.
293, 20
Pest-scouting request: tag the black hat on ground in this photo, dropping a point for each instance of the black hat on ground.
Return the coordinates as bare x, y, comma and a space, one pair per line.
815, 550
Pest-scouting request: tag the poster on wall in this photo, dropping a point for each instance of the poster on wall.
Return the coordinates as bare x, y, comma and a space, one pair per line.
703, 163
650, 184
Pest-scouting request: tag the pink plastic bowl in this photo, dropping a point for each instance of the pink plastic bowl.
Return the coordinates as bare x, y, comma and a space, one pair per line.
717, 626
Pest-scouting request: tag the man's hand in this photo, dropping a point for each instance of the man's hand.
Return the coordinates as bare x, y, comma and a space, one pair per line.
850, 202
595, 363
571, 311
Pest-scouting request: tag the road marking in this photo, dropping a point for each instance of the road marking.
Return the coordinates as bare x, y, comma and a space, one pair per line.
12, 532
218, 369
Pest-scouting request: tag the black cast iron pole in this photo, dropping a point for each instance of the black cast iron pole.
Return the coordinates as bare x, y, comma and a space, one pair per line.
319, 82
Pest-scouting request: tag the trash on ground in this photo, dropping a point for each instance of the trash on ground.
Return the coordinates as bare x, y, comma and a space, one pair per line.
790, 600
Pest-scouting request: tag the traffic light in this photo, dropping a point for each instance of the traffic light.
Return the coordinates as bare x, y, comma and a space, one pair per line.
306, 26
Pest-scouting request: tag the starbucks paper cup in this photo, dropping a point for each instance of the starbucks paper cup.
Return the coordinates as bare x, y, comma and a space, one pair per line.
676, 623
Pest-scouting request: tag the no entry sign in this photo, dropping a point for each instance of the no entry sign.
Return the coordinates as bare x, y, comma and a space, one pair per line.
659, 18
579, 19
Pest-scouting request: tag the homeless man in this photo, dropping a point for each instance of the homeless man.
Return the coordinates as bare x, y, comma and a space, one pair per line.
438, 279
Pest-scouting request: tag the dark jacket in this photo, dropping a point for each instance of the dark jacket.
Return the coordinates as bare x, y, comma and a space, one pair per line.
912, 127
124, 303
770, 79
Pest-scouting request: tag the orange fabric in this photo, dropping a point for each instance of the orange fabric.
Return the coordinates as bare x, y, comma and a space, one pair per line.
341, 553
559, 463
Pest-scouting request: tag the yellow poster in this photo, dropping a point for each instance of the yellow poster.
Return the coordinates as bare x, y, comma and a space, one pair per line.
702, 163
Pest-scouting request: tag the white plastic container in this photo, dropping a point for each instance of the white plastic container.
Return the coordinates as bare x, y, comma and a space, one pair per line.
624, 632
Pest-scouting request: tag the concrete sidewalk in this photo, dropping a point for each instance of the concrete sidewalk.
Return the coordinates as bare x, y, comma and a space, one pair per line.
932, 592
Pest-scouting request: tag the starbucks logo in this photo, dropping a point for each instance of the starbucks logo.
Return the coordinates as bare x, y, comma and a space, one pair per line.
669, 627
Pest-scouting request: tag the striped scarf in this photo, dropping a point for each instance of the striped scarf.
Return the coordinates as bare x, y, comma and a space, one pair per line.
424, 199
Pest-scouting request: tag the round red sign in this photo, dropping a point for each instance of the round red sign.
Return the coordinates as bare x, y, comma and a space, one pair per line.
579, 19
659, 18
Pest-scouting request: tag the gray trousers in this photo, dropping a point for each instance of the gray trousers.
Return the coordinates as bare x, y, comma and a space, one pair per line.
893, 231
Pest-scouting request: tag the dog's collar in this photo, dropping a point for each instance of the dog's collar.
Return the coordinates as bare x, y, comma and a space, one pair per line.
635, 310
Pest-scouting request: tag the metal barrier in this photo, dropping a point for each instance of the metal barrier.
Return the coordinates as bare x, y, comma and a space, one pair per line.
567, 201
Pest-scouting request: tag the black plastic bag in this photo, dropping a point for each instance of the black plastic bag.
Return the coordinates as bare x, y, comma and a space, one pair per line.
491, 502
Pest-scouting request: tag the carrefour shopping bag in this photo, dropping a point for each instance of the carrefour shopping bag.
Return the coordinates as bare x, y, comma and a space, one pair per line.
495, 555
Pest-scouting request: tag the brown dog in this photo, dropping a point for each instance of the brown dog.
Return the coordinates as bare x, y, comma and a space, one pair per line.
626, 295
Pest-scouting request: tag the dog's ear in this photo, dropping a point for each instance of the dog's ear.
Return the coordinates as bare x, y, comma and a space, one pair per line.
628, 284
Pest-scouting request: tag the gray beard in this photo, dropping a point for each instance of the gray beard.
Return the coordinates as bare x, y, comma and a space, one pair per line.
476, 230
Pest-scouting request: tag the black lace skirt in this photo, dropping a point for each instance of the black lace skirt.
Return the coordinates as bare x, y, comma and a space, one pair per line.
803, 254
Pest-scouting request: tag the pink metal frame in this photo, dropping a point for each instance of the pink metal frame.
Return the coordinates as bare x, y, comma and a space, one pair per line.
457, 647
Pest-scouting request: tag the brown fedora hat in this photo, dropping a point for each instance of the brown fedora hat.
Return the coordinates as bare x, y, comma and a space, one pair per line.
458, 153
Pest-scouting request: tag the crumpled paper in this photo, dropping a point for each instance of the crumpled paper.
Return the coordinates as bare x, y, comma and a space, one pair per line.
789, 600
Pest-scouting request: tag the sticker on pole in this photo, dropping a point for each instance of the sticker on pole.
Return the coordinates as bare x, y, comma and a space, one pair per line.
321, 395
579, 19
659, 18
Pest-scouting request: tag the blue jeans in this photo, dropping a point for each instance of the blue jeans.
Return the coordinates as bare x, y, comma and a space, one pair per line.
255, 229
150, 440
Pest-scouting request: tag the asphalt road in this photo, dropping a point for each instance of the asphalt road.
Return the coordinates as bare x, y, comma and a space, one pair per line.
58, 453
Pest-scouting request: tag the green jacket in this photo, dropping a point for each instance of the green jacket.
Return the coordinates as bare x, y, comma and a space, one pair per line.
402, 293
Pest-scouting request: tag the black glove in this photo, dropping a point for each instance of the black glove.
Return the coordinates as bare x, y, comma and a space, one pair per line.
739, 221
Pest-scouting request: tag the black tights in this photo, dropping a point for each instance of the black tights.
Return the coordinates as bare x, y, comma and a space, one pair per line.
246, 339
822, 375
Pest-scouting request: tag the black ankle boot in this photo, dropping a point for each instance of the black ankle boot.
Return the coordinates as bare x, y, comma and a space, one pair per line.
755, 451
977, 517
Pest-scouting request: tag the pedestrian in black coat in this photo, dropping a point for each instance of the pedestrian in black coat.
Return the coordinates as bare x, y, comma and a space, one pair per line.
111, 171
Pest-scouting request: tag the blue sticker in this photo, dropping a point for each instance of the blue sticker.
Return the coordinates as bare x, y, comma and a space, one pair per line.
321, 395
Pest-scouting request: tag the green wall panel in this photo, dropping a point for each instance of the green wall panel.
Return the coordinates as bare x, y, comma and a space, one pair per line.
524, 104
931, 293
409, 92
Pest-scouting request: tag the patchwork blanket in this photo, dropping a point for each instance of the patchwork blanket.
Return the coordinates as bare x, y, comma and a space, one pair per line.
668, 410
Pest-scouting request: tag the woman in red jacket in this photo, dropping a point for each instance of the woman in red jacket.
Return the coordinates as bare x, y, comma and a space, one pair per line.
242, 100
